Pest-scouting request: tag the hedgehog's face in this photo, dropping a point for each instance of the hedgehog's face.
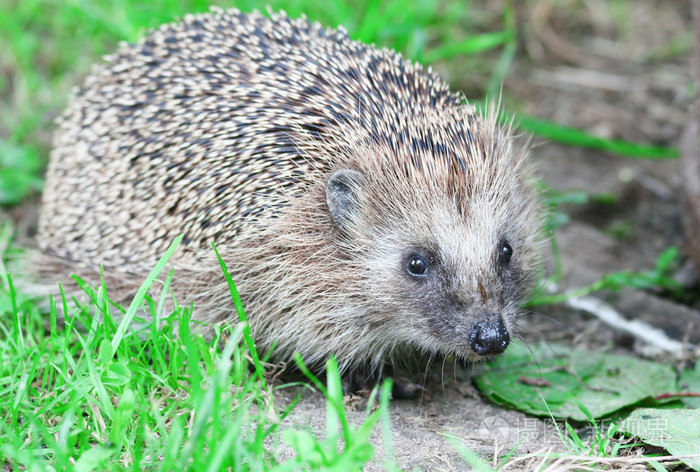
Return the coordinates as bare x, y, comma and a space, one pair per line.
447, 281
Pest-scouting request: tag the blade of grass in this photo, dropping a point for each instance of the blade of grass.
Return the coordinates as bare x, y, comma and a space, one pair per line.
247, 334
384, 397
576, 137
141, 293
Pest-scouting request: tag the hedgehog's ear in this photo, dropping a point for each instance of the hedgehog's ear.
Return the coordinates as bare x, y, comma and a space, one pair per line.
342, 194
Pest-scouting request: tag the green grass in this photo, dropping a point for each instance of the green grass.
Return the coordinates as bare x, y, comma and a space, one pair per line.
131, 392
658, 278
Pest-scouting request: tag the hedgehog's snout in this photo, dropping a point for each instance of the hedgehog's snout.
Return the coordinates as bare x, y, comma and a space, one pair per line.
489, 336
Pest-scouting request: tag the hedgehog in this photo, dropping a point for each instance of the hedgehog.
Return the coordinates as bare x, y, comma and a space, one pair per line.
364, 210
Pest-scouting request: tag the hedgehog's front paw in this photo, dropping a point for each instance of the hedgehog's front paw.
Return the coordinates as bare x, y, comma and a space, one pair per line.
359, 382
406, 389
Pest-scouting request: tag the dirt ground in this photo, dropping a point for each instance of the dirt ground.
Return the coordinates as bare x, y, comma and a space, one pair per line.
615, 74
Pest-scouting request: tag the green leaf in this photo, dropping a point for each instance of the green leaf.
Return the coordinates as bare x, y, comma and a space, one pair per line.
117, 374
690, 381
105, 354
555, 379
677, 431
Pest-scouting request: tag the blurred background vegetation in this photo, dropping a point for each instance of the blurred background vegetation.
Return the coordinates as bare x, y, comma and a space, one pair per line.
48, 46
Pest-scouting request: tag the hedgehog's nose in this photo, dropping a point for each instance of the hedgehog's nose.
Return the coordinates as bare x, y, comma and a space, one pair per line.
489, 336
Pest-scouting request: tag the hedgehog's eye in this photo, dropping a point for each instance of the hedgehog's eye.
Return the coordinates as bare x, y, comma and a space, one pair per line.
505, 252
417, 265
